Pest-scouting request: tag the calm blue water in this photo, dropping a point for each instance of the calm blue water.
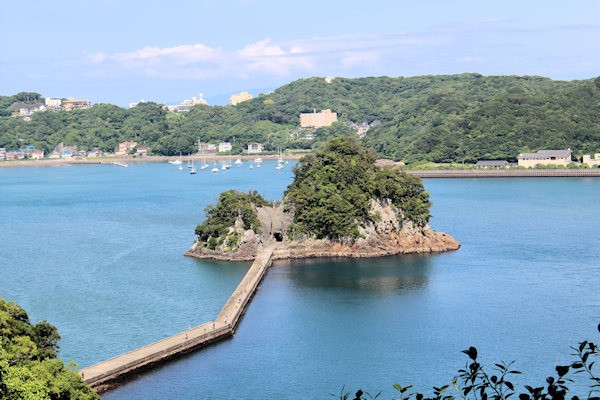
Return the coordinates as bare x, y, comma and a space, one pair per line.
96, 250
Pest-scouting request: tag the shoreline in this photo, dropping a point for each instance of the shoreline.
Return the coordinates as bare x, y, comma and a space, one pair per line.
423, 174
47, 162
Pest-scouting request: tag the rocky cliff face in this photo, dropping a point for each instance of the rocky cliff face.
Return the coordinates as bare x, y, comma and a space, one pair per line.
387, 236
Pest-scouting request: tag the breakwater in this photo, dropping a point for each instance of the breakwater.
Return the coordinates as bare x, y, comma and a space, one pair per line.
112, 372
506, 173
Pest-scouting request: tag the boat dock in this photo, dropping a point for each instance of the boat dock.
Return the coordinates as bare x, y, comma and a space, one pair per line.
507, 173
112, 372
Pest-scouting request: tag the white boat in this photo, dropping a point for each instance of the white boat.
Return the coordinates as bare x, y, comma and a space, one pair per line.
120, 164
280, 160
251, 167
180, 167
238, 161
257, 160
215, 169
178, 161
204, 165
192, 169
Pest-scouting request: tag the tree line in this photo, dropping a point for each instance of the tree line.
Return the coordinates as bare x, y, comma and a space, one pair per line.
443, 118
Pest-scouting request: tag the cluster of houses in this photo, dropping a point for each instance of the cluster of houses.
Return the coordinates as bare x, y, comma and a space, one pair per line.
26, 111
28, 152
69, 152
225, 147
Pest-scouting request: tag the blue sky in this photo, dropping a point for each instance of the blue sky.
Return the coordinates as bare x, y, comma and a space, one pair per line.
121, 51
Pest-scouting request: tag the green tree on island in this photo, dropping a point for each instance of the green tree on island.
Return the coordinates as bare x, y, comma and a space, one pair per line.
333, 189
331, 197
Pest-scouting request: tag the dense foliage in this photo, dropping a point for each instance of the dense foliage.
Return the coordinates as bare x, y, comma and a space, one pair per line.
29, 368
332, 191
231, 206
474, 382
458, 118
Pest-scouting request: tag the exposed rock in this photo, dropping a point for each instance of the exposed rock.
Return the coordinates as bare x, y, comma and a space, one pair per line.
386, 236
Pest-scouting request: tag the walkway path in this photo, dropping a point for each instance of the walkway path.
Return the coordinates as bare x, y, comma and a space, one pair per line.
110, 373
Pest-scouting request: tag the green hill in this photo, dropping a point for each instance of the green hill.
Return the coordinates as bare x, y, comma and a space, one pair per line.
459, 118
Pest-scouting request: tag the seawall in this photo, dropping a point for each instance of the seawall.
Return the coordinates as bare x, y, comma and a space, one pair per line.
111, 373
506, 173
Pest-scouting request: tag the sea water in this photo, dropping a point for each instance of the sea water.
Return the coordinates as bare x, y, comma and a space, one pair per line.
97, 250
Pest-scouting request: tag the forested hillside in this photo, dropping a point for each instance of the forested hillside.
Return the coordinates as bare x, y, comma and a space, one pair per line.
460, 118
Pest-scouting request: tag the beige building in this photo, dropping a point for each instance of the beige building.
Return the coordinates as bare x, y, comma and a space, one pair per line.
71, 104
125, 147
239, 98
545, 157
317, 119
591, 161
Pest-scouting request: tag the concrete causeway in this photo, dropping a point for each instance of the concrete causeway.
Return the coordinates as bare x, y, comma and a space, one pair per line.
112, 372
506, 173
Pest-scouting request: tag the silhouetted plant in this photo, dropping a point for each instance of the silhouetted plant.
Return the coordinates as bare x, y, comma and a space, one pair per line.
475, 383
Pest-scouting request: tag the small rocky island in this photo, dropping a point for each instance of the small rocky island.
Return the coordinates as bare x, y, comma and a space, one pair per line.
340, 204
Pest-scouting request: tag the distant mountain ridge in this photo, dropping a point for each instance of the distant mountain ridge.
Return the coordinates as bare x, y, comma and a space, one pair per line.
442, 118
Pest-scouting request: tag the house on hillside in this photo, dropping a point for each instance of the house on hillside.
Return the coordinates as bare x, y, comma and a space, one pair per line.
239, 98
545, 157
71, 104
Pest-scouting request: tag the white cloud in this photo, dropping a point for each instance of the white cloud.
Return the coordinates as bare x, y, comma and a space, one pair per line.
262, 49
486, 44
266, 57
184, 54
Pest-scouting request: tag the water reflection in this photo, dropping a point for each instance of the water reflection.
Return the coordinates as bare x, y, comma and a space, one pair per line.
396, 274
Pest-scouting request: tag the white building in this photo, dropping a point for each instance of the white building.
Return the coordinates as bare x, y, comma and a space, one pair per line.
254, 148
185, 105
53, 103
224, 147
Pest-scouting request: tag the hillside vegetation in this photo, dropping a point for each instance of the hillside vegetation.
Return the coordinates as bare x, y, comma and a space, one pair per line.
445, 118
331, 198
29, 368
332, 192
